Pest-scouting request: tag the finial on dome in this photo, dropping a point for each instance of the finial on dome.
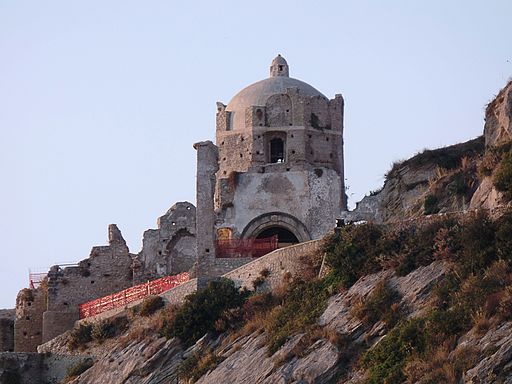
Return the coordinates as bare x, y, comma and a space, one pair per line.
279, 67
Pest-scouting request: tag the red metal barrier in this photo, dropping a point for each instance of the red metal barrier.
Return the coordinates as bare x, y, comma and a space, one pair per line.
35, 279
245, 247
129, 295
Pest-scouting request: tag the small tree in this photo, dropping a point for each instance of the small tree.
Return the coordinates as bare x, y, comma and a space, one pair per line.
503, 176
203, 308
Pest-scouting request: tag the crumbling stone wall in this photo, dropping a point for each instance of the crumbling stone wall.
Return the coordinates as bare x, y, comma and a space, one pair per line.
30, 305
170, 249
207, 166
7, 317
108, 269
34, 368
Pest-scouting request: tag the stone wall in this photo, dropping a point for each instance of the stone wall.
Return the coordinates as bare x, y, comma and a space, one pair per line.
6, 335
170, 249
281, 263
34, 368
108, 269
28, 326
312, 129
7, 317
311, 197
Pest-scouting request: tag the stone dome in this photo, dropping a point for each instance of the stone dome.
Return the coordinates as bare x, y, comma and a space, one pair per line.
257, 93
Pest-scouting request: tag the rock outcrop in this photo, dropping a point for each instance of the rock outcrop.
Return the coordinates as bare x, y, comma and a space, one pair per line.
498, 118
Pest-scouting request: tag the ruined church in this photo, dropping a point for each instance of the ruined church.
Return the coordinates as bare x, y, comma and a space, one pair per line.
274, 177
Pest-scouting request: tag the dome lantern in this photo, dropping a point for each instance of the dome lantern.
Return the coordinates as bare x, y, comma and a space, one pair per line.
279, 67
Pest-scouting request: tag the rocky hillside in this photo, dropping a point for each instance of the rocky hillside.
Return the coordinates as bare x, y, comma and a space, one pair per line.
426, 302
451, 179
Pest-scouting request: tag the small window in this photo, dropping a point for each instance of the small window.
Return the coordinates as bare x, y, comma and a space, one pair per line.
276, 151
280, 68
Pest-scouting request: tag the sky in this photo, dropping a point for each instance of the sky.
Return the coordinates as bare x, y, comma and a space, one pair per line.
101, 101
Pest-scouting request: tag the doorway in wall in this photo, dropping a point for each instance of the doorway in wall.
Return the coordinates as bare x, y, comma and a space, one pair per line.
284, 236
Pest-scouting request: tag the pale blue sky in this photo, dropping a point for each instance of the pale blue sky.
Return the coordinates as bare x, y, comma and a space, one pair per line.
101, 101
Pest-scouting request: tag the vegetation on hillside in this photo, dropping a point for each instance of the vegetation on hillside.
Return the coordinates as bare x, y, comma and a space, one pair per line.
476, 295
447, 158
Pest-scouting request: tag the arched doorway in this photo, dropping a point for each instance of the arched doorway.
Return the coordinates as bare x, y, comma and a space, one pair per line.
288, 228
285, 237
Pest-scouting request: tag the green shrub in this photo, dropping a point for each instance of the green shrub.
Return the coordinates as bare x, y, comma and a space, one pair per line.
197, 316
430, 205
302, 305
386, 360
504, 236
196, 365
477, 239
352, 252
78, 369
109, 328
459, 183
80, 336
150, 305
381, 304
503, 176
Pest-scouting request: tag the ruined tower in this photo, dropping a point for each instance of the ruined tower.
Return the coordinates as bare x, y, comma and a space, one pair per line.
279, 166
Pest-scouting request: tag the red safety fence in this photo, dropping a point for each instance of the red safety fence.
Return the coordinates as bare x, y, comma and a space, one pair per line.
35, 279
129, 295
245, 247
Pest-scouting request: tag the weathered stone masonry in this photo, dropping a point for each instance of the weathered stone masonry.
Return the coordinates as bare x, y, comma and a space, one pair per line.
7, 317
107, 270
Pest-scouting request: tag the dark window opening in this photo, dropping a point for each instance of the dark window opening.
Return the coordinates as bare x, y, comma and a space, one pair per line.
276, 151
280, 68
283, 235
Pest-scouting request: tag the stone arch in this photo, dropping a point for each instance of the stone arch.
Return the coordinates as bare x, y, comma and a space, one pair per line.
180, 252
279, 111
276, 220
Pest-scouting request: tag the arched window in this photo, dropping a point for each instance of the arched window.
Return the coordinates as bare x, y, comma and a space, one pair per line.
276, 150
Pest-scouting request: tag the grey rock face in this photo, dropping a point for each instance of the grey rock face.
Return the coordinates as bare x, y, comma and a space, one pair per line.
498, 118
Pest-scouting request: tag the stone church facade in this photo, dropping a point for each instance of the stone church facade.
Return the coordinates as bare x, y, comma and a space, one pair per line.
276, 169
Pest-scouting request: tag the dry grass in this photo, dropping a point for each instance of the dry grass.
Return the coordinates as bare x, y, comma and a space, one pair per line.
481, 323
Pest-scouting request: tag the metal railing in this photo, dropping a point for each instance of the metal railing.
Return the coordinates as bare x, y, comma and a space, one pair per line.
132, 294
229, 248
